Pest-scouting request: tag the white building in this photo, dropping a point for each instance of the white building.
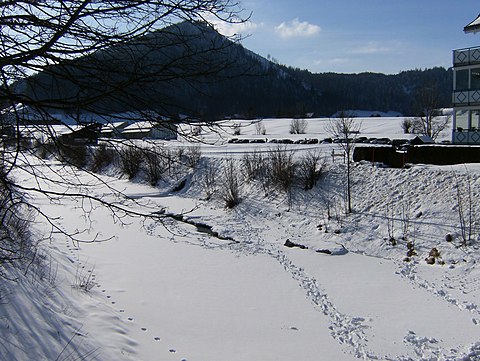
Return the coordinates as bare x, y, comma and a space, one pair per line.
150, 130
466, 91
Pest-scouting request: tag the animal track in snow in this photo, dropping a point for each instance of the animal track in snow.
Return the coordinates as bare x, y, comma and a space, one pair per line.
409, 272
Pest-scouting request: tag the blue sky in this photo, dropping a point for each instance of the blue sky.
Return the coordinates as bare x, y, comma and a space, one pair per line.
352, 36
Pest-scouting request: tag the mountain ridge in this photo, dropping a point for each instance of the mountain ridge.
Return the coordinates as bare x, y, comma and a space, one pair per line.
189, 68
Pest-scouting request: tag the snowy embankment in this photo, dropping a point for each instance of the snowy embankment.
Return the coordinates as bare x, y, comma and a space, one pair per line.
165, 291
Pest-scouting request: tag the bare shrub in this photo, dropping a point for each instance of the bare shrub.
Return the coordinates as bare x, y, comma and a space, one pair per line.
45, 150
237, 129
75, 155
154, 166
281, 168
102, 157
407, 125
260, 128
193, 154
298, 126
405, 220
253, 163
83, 279
209, 179
389, 216
310, 169
16, 239
131, 160
180, 154
196, 130
466, 211
231, 186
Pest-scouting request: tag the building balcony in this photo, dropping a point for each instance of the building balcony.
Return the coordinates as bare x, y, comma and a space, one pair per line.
466, 98
466, 136
466, 56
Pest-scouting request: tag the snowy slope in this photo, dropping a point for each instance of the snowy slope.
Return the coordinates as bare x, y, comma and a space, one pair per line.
164, 290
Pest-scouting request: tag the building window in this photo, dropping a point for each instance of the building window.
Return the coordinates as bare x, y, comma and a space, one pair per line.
475, 123
475, 78
461, 79
461, 120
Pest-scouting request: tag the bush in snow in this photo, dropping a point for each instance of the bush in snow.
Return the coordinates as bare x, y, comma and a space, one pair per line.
298, 126
260, 128
253, 163
231, 186
193, 154
131, 160
407, 125
209, 179
281, 168
196, 130
16, 245
310, 169
237, 129
75, 155
45, 150
102, 157
154, 165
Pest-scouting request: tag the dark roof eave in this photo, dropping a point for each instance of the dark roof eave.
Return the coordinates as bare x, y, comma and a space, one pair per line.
471, 29
473, 26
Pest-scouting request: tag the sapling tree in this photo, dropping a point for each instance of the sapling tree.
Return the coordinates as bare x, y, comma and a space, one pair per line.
429, 121
466, 211
346, 129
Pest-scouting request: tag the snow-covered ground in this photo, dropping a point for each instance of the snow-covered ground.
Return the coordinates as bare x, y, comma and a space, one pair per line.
163, 290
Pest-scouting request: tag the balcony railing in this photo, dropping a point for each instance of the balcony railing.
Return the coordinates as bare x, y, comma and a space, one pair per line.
466, 56
466, 97
466, 136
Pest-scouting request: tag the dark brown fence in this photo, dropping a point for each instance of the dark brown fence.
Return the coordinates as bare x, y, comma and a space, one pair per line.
426, 154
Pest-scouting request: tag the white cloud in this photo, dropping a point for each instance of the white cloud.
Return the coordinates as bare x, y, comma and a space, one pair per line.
231, 29
296, 28
373, 47
333, 61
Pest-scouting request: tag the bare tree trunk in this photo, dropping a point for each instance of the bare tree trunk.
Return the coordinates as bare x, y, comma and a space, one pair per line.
349, 187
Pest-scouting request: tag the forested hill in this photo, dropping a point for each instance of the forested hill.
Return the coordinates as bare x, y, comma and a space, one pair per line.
191, 69
374, 91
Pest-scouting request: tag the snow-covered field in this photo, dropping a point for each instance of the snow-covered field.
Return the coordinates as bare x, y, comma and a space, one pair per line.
163, 290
